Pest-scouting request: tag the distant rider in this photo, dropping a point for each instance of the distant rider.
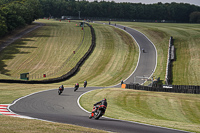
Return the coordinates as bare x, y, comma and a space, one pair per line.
61, 88
85, 84
143, 50
76, 85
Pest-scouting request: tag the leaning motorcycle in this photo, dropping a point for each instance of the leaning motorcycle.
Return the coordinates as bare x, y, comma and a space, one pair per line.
85, 84
59, 91
75, 88
97, 111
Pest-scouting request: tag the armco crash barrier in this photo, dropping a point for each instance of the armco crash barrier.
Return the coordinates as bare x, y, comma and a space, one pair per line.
174, 88
66, 76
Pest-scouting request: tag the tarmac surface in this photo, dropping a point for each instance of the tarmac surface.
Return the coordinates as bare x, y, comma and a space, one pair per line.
64, 108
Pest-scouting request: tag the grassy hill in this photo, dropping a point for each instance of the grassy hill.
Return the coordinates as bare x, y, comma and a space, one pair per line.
186, 68
47, 50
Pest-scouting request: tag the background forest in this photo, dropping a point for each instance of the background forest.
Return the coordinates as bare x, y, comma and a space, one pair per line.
17, 13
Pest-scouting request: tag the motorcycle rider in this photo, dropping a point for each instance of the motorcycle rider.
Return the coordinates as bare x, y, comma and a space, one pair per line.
85, 84
143, 50
102, 102
76, 86
61, 88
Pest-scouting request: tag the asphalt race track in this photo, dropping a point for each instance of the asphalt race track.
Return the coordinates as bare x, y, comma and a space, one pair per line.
147, 60
50, 106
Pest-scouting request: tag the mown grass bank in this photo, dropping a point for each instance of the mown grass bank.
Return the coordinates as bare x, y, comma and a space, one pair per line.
172, 110
186, 67
46, 50
113, 59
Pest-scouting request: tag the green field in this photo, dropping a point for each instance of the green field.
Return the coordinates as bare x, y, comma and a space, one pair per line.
113, 59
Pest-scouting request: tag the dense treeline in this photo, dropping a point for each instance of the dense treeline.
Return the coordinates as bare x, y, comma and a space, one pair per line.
16, 13
179, 12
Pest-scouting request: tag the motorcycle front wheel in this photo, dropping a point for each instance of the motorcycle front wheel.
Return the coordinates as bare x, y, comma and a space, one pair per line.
90, 116
98, 114
75, 89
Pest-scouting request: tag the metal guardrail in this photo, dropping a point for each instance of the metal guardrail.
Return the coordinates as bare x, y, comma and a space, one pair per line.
173, 88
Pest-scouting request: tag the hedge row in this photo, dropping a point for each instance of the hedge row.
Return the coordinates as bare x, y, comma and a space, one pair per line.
64, 77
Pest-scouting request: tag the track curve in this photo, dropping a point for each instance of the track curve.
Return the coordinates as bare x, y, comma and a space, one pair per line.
50, 106
147, 61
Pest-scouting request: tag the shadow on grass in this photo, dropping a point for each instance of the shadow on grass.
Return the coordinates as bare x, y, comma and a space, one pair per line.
10, 52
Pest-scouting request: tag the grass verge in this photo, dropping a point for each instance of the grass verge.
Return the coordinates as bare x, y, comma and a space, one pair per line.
172, 110
12, 125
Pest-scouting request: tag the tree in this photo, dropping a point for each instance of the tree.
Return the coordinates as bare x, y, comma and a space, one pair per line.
3, 27
195, 17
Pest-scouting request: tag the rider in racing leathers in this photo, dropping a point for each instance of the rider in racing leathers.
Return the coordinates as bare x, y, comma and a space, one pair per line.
61, 88
77, 85
85, 83
102, 102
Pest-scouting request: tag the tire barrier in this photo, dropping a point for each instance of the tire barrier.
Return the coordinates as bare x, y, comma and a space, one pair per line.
64, 77
174, 88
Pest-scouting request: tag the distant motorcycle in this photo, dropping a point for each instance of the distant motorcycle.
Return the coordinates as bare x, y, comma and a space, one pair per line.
85, 84
143, 51
76, 87
60, 90
97, 111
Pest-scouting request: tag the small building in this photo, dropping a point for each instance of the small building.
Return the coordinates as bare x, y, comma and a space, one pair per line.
82, 24
24, 76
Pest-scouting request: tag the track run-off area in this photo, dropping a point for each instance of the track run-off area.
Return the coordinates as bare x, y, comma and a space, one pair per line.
49, 106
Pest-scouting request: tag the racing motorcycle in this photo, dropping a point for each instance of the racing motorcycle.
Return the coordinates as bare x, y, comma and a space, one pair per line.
85, 84
76, 87
60, 90
97, 111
